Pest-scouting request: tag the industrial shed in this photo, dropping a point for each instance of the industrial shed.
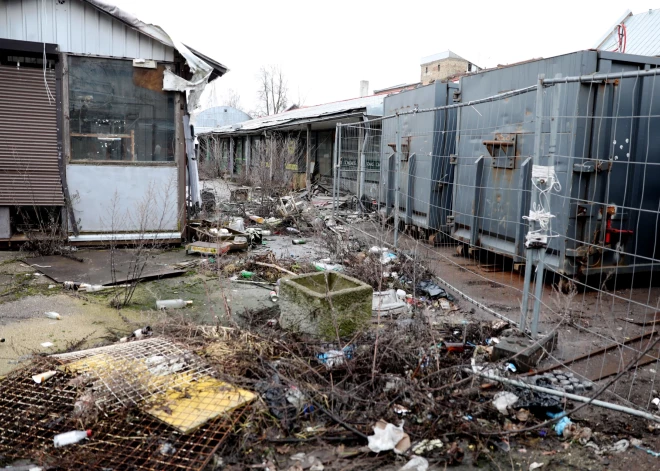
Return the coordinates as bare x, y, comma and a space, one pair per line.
310, 134
94, 108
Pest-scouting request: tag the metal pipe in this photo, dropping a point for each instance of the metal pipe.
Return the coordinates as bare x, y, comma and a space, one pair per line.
573, 397
397, 182
533, 253
603, 77
538, 292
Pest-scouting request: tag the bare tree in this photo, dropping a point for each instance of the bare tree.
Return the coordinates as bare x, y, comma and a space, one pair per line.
273, 90
233, 99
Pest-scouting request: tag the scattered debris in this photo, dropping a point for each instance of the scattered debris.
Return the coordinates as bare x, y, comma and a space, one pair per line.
416, 463
503, 400
389, 437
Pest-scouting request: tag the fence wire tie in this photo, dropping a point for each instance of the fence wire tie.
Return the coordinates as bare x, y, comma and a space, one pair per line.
544, 180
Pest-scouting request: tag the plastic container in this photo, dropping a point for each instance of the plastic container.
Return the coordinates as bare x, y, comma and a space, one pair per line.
69, 438
172, 303
257, 219
247, 274
53, 315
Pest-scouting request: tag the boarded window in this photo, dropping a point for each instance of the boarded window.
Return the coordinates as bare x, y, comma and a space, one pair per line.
119, 112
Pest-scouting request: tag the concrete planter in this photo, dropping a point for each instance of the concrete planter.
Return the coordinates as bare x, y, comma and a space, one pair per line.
314, 303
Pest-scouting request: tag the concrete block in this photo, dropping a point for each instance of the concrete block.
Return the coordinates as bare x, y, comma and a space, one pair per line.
317, 302
530, 352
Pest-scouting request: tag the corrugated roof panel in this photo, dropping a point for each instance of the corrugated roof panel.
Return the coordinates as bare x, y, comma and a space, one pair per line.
372, 105
642, 35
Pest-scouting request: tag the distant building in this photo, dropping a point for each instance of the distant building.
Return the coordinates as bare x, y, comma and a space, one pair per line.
633, 34
443, 66
217, 117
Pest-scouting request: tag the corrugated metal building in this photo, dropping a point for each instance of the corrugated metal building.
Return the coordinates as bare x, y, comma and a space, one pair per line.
92, 112
310, 132
634, 34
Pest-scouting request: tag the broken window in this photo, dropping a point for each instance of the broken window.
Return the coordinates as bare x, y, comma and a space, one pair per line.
119, 112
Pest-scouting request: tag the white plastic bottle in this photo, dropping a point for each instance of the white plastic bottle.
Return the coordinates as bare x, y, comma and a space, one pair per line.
69, 438
53, 315
172, 303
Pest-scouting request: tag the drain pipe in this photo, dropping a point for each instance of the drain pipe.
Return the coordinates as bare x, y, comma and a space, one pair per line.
573, 397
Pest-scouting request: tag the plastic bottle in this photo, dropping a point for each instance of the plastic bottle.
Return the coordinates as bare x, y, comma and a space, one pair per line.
69, 438
247, 274
53, 315
90, 288
299, 241
257, 219
172, 303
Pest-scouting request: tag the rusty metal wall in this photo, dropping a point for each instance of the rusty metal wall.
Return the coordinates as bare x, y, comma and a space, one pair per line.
29, 171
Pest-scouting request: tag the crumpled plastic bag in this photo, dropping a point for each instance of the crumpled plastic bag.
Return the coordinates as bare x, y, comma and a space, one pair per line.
388, 437
504, 399
416, 463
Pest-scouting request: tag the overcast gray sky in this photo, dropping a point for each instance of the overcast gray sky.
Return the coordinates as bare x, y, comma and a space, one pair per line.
326, 48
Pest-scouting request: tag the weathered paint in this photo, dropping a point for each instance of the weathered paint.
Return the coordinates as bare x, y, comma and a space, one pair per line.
142, 198
77, 28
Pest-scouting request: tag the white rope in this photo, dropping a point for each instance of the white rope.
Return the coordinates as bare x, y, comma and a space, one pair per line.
544, 180
50, 96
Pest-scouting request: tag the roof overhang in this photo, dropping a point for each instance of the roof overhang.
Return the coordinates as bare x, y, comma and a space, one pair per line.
155, 32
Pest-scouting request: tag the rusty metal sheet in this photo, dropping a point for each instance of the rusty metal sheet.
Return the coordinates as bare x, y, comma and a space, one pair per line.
97, 267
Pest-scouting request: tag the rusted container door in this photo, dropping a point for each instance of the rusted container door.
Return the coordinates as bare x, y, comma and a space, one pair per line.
29, 171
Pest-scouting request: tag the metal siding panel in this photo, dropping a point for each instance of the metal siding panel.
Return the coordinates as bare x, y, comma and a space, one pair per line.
4, 20
61, 20
105, 35
76, 28
118, 39
91, 40
158, 51
15, 21
146, 47
132, 43
29, 171
169, 54
48, 26
32, 20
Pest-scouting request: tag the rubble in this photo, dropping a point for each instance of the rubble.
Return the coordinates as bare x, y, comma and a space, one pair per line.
352, 341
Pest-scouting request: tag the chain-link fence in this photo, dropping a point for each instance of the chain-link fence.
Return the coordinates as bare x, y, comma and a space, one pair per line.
539, 204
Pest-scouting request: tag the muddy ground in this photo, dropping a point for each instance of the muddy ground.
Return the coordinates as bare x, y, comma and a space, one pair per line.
589, 319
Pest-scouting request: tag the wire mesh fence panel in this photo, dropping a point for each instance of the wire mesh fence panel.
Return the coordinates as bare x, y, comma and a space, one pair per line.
539, 204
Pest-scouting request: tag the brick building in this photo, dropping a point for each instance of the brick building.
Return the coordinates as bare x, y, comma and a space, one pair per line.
443, 65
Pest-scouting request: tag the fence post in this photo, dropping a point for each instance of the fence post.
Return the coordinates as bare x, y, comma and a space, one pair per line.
335, 160
397, 182
534, 251
232, 147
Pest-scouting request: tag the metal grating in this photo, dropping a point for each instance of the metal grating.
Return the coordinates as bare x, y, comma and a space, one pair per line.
123, 438
132, 373
29, 171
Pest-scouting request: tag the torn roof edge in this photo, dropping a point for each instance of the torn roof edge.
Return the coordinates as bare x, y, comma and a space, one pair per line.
157, 33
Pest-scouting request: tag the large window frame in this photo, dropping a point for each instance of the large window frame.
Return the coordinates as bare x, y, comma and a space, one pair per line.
162, 129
